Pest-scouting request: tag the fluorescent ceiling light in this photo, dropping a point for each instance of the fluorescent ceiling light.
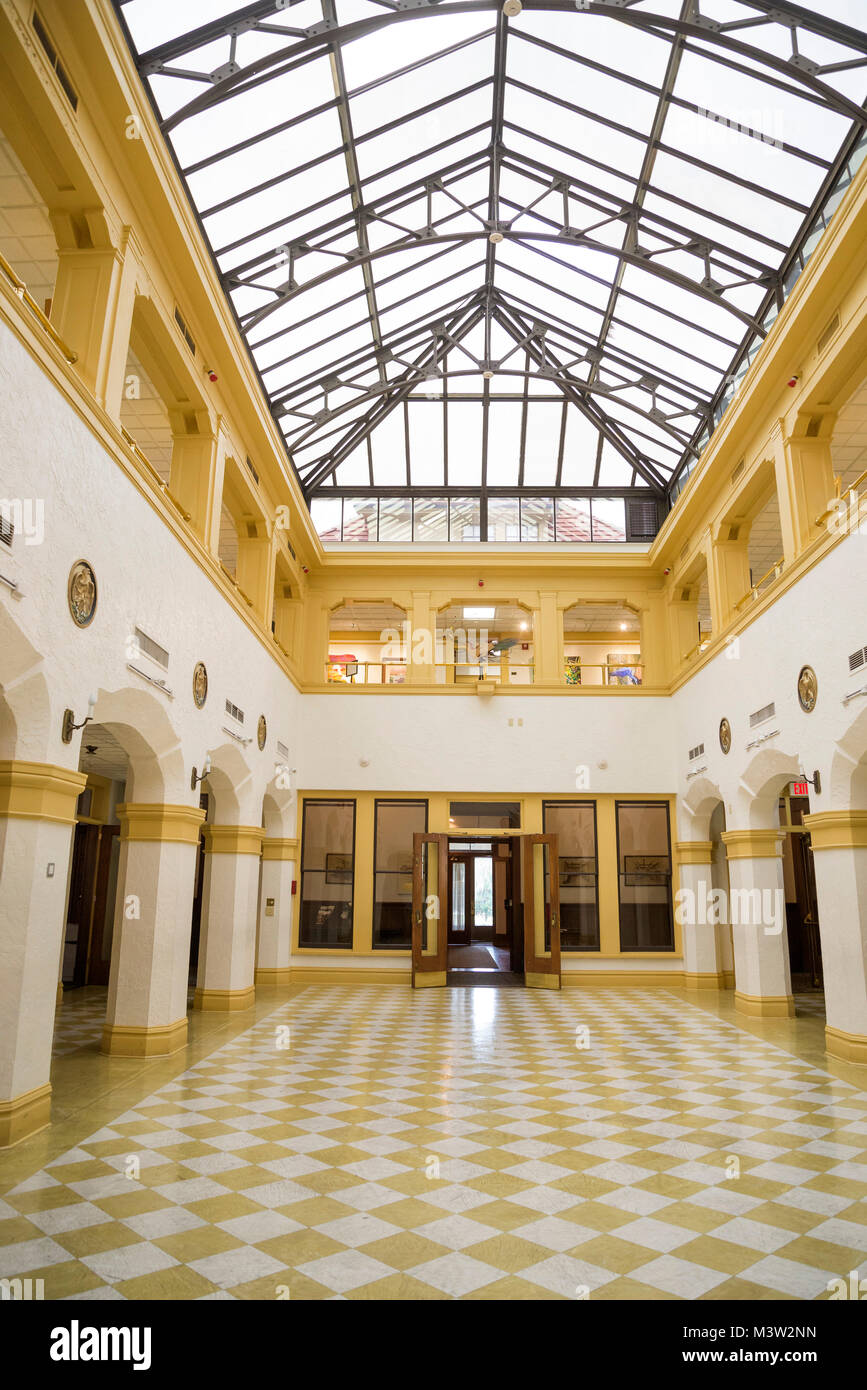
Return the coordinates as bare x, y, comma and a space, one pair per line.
480, 615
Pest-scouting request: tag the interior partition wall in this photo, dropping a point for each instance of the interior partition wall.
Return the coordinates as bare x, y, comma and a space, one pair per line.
395, 823
644, 876
327, 874
574, 824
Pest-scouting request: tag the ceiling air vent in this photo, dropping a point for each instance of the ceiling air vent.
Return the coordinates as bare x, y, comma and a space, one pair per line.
51, 54
642, 520
760, 715
150, 648
858, 659
734, 532
696, 752
234, 712
828, 333
188, 337
738, 471
282, 749
251, 469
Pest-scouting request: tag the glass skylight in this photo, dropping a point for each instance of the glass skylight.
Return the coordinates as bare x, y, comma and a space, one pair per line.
500, 254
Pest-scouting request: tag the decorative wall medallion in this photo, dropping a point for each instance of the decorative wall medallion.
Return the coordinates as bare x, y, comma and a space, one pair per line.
81, 593
200, 684
725, 735
808, 689
261, 731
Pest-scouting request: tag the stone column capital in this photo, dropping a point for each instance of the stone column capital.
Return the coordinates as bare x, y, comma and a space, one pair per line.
160, 821
39, 791
753, 844
837, 829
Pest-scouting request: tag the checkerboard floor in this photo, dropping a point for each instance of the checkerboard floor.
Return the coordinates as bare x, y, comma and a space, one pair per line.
375, 1143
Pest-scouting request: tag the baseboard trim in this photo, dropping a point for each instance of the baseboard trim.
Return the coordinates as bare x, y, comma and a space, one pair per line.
765, 1006
24, 1115
846, 1047
707, 979
224, 1000
622, 977
128, 1040
270, 976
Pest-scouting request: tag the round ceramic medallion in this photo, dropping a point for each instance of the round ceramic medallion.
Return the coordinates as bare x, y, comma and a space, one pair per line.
262, 731
808, 689
200, 684
725, 735
81, 593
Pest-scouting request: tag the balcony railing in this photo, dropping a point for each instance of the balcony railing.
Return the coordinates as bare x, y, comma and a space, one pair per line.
761, 584
599, 675
44, 321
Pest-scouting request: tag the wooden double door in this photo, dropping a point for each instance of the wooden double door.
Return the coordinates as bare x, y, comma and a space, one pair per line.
533, 907
90, 912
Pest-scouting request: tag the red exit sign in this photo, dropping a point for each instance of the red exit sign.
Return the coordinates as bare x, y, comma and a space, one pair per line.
800, 789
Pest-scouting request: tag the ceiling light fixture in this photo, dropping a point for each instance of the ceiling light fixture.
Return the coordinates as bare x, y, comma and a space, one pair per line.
495, 238
512, 8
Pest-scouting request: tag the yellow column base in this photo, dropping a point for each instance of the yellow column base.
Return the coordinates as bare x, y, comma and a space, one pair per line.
24, 1115
272, 975
128, 1040
765, 1006
846, 1047
537, 979
707, 979
728, 979
224, 1000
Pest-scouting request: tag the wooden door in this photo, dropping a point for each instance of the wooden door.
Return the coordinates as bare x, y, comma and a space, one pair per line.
430, 869
102, 917
541, 891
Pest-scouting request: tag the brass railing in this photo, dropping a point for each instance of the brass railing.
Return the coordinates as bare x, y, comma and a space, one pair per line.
753, 592
44, 321
595, 675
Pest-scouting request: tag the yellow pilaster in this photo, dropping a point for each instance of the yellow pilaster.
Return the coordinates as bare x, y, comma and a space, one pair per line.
548, 641
805, 486
422, 616
728, 574
192, 481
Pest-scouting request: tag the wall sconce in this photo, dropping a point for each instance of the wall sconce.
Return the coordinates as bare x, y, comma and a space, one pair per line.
69, 724
200, 777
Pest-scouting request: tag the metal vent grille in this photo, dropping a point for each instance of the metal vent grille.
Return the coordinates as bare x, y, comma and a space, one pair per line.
234, 711
7, 526
51, 54
188, 337
251, 469
858, 659
150, 648
828, 333
282, 749
738, 471
696, 752
642, 520
760, 715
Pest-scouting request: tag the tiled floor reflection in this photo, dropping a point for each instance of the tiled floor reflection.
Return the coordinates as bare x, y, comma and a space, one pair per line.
463, 1144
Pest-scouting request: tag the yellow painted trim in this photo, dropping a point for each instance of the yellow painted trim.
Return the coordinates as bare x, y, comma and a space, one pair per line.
233, 839
694, 851
753, 844
128, 1040
224, 1000
622, 977
24, 1115
271, 976
707, 979
837, 829
141, 820
276, 849
728, 979
765, 1006
846, 1047
39, 791
536, 979
324, 974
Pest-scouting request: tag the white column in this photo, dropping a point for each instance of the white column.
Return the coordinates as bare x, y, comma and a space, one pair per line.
150, 953
227, 948
839, 841
37, 813
279, 858
757, 908
695, 913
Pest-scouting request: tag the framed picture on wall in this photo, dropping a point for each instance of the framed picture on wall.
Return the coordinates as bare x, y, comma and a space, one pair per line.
338, 868
578, 872
646, 870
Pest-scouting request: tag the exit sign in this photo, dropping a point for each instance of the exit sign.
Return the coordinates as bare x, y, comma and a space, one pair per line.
800, 789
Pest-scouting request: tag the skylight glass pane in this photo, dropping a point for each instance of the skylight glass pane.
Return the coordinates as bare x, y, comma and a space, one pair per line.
464, 519
427, 468
537, 518
430, 520
504, 521
395, 519
504, 442
465, 444
359, 519
609, 518
327, 514
573, 519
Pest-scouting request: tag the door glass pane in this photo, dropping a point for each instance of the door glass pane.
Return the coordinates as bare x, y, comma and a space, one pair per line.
327, 874
574, 823
644, 851
541, 900
459, 892
431, 906
396, 823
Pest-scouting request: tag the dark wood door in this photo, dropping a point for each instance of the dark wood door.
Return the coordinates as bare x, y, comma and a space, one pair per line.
541, 912
82, 883
430, 867
102, 916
